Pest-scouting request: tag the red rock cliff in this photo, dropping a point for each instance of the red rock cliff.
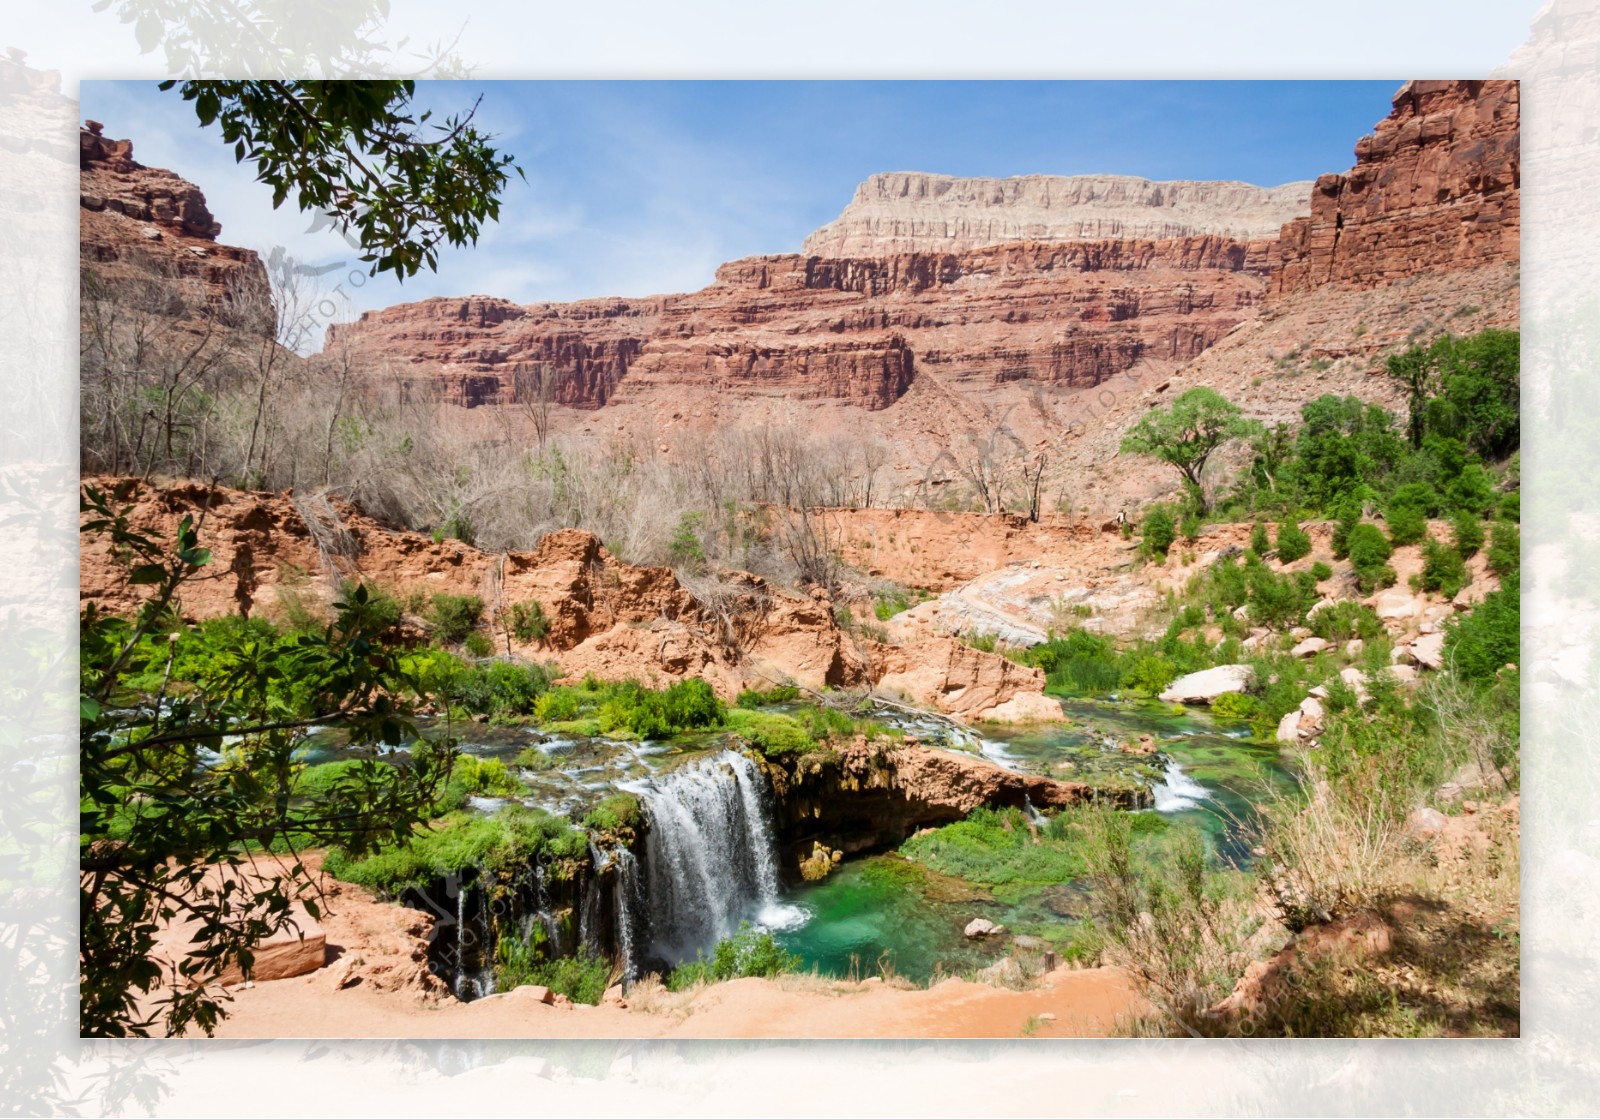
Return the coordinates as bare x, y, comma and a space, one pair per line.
1436, 187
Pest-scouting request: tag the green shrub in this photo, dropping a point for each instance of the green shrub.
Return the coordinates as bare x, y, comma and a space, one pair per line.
1467, 530
478, 644
995, 847
1082, 662
1510, 507
1260, 544
557, 706
1369, 555
531, 757
484, 777
455, 615
1345, 620
1488, 637
1349, 518
1158, 531
372, 604
780, 693
1150, 673
1191, 526
746, 954
1505, 549
1443, 570
686, 550
1407, 524
528, 622
1321, 571
1293, 542
617, 812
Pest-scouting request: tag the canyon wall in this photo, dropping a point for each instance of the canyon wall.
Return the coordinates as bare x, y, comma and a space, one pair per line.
1436, 187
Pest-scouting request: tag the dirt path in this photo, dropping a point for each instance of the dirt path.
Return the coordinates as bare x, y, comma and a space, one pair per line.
1086, 1003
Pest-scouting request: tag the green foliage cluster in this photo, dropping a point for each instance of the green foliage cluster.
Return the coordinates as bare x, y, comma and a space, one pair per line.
997, 847
1345, 620
1187, 433
1240, 706
1489, 637
628, 708
1158, 532
1260, 542
772, 697
748, 953
454, 616
501, 846
504, 690
526, 960
1443, 570
527, 621
1369, 550
774, 734
1293, 542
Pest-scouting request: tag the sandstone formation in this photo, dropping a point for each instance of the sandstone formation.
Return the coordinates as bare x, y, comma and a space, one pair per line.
858, 331
299, 947
1205, 686
967, 683
147, 235
1437, 186
915, 212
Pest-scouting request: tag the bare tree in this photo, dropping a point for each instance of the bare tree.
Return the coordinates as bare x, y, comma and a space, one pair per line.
535, 387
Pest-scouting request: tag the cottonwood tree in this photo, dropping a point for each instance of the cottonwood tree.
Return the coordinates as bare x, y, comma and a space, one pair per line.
1185, 435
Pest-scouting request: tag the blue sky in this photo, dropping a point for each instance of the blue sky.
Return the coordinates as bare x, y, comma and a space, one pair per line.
638, 188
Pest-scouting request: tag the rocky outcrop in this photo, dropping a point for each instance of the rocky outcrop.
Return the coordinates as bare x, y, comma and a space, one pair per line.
909, 211
963, 682
1206, 686
147, 235
272, 554
1436, 186
873, 795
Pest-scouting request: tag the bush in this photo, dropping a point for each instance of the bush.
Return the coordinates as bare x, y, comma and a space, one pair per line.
455, 615
1158, 531
995, 847
1150, 673
1321, 571
557, 706
1505, 549
1407, 524
1082, 662
774, 734
617, 812
478, 644
1443, 570
1369, 555
748, 953
1488, 638
1467, 530
1345, 620
1191, 526
1235, 705
1510, 507
1349, 518
484, 777
528, 622
1260, 544
521, 961
781, 693
1293, 542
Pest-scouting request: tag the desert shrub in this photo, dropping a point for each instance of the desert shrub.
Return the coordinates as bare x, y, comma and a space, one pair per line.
374, 605
1158, 531
1510, 508
1505, 549
528, 621
1443, 569
1321, 571
1260, 543
1407, 524
1488, 637
1293, 542
778, 693
1369, 553
1081, 662
478, 644
686, 549
748, 953
454, 616
1349, 517
1149, 673
1279, 600
1345, 620
1467, 531
1191, 526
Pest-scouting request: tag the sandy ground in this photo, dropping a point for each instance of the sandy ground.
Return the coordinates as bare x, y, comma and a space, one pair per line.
1086, 1003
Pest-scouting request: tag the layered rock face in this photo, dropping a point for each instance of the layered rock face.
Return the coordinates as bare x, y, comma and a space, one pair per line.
853, 330
146, 233
908, 211
1436, 187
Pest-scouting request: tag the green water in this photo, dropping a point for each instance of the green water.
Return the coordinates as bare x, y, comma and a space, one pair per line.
886, 913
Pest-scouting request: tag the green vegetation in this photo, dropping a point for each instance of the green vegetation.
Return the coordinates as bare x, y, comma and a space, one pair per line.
778, 694
1158, 532
501, 846
1481, 643
528, 622
157, 816
1260, 542
1293, 543
1443, 570
998, 847
454, 616
1369, 551
746, 954
1185, 435
774, 734
525, 960
619, 812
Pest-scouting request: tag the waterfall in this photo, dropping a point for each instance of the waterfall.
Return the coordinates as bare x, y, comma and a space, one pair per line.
1178, 790
710, 861
627, 895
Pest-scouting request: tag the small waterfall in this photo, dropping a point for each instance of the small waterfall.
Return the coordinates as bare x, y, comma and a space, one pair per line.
710, 860
628, 890
1178, 791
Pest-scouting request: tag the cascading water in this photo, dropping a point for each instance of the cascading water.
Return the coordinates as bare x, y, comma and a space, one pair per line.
1178, 791
710, 861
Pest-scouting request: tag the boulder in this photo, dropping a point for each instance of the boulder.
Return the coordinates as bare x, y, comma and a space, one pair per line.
1319, 606
1425, 823
1299, 633
1428, 650
1204, 687
1396, 604
1311, 714
1289, 728
532, 992
1354, 647
1356, 680
613, 996
1310, 647
1403, 673
980, 927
